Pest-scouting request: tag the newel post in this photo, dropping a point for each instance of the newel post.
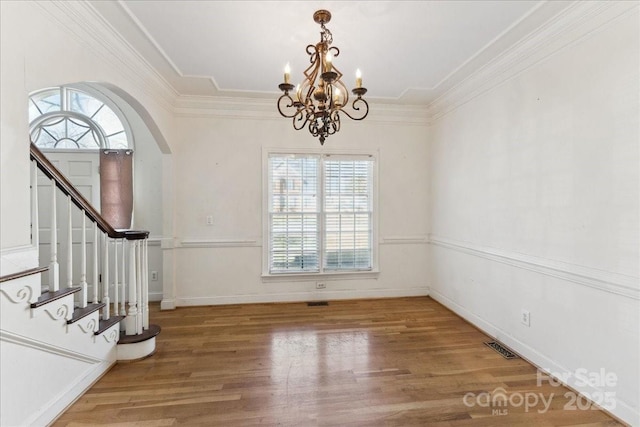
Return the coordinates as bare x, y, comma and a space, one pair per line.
132, 314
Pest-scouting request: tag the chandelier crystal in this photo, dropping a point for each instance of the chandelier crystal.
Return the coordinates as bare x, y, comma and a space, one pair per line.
318, 102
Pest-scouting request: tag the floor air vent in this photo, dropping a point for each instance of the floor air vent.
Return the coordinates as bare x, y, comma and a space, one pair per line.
317, 303
504, 351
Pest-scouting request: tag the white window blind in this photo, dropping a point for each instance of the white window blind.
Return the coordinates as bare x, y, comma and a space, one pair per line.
320, 213
293, 213
347, 214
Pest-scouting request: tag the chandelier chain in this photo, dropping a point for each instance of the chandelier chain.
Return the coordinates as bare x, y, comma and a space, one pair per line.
325, 35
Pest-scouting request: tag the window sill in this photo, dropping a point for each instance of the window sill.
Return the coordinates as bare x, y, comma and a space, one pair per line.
312, 277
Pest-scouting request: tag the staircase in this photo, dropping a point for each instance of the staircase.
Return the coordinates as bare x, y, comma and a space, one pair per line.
57, 339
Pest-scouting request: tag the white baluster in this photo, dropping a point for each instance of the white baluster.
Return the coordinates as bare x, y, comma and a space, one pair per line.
133, 311
123, 306
96, 268
35, 224
83, 263
145, 284
69, 243
54, 271
105, 279
115, 277
139, 285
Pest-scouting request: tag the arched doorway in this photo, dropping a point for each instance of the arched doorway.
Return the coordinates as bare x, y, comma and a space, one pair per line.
76, 124
90, 141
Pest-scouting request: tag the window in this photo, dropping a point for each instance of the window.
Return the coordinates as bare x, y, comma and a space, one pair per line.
320, 213
67, 118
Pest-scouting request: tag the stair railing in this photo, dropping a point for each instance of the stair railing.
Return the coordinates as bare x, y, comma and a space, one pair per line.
113, 290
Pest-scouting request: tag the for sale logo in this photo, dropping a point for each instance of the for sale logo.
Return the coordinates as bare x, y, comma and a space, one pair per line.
500, 401
602, 381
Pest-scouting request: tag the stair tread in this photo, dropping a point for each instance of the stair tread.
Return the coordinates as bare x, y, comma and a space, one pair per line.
145, 335
79, 313
50, 296
106, 324
23, 273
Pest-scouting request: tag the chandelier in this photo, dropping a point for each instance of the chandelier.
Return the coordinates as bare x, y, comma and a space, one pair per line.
318, 102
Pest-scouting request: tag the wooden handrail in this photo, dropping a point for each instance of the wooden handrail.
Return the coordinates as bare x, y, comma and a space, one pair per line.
78, 199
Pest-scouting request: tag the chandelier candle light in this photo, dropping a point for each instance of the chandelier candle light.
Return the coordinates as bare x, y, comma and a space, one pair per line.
318, 102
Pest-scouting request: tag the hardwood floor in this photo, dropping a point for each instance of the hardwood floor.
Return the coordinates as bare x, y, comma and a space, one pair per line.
396, 362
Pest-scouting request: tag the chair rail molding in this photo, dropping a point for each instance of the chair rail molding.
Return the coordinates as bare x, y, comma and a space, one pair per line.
218, 243
611, 282
405, 240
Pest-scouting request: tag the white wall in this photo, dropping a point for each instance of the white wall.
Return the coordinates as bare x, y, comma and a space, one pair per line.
534, 196
219, 162
14, 158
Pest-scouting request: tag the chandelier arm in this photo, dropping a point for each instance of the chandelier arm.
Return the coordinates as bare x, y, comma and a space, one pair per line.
311, 51
308, 88
287, 102
357, 108
315, 60
335, 122
300, 119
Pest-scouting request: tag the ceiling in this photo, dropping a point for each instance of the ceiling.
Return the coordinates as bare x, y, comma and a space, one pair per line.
410, 52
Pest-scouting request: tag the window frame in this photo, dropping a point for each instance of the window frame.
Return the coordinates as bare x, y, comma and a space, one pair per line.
267, 275
65, 111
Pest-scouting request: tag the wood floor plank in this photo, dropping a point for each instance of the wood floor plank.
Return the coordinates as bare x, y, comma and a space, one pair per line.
387, 362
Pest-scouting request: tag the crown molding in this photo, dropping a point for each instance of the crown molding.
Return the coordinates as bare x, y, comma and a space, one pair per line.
89, 27
265, 109
578, 21
224, 107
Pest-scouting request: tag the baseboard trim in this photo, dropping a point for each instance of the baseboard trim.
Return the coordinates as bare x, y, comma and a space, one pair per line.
155, 296
301, 296
168, 304
623, 411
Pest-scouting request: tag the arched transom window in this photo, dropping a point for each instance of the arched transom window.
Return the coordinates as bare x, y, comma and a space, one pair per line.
68, 118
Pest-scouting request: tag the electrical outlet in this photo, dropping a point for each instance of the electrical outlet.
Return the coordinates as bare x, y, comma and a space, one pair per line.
525, 318
154, 276
209, 219
321, 285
